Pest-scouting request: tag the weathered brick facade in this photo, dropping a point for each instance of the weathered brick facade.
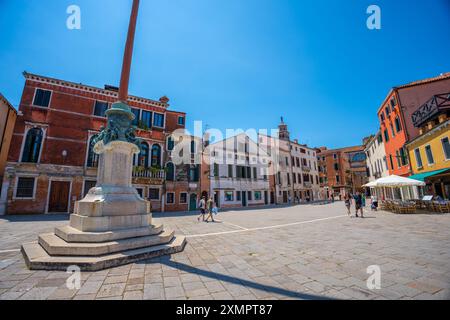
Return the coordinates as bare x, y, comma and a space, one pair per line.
66, 117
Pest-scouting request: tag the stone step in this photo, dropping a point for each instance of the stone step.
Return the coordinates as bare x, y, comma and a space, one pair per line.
55, 246
109, 223
36, 258
69, 234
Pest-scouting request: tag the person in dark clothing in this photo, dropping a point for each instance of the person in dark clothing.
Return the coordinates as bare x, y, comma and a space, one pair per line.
359, 204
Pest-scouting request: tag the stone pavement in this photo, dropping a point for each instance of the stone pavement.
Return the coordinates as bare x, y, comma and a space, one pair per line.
300, 252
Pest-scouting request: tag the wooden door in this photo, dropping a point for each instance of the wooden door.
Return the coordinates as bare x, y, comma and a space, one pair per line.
59, 197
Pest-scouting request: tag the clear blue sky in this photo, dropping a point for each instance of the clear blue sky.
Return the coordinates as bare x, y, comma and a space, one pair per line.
238, 63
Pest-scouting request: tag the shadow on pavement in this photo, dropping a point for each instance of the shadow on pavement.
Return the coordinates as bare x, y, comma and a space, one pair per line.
234, 280
35, 218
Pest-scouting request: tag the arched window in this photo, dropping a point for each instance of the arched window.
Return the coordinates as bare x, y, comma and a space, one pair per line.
170, 172
144, 155
32, 146
156, 155
92, 159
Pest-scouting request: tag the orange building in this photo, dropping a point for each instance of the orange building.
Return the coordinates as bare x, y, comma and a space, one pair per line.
395, 114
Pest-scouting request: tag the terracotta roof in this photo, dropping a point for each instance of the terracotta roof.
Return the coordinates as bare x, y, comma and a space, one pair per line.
442, 76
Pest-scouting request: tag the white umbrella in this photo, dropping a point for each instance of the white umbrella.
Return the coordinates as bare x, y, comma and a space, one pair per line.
397, 181
371, 184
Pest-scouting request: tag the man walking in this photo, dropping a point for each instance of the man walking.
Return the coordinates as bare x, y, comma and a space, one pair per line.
359, 204
202, 207
209, 209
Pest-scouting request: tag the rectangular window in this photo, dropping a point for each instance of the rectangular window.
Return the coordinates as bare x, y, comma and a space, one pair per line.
250, 195
446, 147
88, 185
216, 170
255, 174
338, 179
183, 197
100, 108
153, 194
392, 161
258, 195
170, 198
229, 196
238, 195
181, 121
42, 98
230, 171
418, 158
25, 188
429, 154
137, 116
386, 135
397, 155
398, 125
146, 119
158, 120
404, 157
336, 167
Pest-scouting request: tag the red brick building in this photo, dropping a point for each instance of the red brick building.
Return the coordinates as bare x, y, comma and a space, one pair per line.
341, 170
51, 163
395, 116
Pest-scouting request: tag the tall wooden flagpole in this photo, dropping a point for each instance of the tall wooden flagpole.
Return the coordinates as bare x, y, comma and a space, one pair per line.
128, 55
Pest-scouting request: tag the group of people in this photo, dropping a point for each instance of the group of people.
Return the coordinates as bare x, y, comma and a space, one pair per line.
207, 208
360, 202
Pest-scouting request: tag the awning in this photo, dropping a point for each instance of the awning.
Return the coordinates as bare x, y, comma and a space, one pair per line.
424, 175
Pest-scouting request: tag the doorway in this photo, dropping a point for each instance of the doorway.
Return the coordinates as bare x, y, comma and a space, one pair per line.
244, 198
285, 196
193, 202
266, 198
59, 197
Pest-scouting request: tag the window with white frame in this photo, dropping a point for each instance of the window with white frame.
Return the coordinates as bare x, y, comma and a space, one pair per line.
183, 197
429, 155
229, 196
158, 120
42, 98
170, 198
100, 108
25, 187
446, 147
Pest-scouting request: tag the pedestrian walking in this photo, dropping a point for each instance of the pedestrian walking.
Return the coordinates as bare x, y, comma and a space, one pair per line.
358, 204
374, 205
209, 209
202, 207
348, 203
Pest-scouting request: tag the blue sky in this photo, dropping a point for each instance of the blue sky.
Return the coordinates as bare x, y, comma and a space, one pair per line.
238, 63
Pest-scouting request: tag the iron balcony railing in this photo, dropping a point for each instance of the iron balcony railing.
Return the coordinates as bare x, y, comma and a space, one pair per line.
150, 173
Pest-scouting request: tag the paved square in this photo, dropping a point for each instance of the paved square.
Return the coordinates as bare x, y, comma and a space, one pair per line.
299, 252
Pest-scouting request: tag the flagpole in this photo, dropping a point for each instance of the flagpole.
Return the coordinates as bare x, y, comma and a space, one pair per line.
128, 55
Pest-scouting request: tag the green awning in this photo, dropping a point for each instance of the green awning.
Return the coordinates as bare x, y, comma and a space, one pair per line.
424, 175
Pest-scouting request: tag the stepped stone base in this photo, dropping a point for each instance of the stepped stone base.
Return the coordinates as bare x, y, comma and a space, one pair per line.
36, 258
111, 226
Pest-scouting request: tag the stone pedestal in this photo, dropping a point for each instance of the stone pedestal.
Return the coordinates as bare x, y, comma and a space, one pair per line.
111, 226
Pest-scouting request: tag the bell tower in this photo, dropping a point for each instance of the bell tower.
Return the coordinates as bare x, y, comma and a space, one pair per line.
283, 133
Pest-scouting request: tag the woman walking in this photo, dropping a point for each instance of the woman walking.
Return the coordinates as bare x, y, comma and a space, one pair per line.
348, 202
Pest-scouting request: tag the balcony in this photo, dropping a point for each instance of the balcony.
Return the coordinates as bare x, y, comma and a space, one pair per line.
148, 175
307, 184
306, 168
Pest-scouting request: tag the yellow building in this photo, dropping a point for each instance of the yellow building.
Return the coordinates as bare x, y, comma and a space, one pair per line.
430, 151
8, 116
